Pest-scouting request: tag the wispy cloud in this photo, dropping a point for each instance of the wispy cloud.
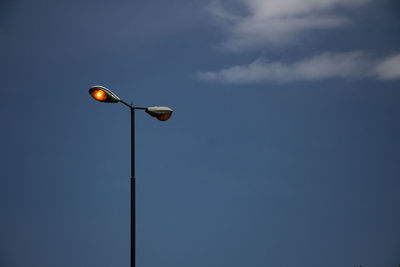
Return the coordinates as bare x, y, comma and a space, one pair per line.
349, 65
260, 22
254, 24
389, 68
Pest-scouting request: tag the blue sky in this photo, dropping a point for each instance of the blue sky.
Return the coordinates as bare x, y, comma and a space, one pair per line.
282, 149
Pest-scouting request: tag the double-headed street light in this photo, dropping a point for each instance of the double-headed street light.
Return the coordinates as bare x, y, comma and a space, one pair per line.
102, 94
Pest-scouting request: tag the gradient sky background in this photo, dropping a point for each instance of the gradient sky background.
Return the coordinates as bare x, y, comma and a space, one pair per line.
283, 149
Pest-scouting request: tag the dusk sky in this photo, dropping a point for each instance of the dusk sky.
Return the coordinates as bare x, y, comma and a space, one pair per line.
283, 148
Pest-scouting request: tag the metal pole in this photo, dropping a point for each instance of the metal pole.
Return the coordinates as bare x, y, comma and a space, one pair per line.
133, 195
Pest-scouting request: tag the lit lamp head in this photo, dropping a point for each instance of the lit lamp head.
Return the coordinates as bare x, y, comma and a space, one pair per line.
102, 94
161, 113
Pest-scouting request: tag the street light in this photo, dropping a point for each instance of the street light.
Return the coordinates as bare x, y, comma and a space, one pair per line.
103, 94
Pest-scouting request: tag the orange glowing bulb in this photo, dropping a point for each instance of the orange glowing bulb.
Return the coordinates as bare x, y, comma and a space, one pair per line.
99, 95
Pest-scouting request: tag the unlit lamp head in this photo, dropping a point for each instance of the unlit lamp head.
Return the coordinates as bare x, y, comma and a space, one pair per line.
161, 113
102, 94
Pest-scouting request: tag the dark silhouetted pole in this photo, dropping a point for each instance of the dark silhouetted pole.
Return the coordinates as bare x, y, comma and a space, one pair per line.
133, 192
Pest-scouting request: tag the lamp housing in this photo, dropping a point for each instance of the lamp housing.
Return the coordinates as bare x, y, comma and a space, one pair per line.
161, 113
102, 94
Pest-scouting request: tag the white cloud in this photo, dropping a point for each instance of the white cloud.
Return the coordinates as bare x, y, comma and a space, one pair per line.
349, 65
276, 21
389, 68
253, 24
